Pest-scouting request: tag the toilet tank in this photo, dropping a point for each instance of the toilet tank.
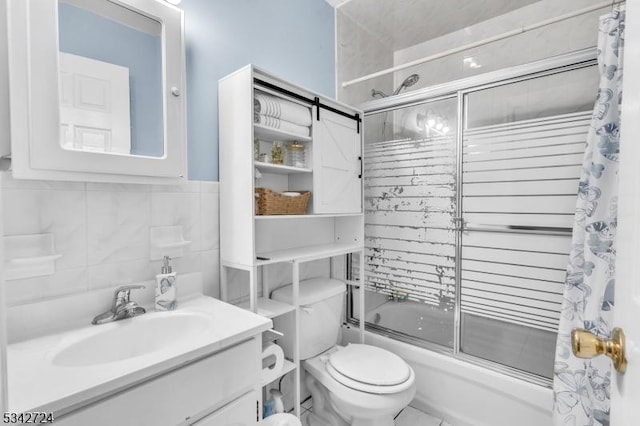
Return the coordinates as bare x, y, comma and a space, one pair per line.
321, 301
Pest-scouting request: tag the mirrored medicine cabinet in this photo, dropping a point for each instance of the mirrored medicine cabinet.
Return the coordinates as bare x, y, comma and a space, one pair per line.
97, 90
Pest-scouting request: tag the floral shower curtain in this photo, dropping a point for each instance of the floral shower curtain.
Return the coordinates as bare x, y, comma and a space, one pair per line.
581, 386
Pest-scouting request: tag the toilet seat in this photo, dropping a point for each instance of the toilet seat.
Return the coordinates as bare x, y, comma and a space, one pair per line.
370, 369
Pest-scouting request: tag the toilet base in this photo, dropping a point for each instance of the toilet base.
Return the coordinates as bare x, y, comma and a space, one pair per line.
326, 413
323, 413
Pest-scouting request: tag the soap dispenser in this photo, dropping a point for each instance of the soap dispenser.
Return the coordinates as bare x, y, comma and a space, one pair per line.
166, 287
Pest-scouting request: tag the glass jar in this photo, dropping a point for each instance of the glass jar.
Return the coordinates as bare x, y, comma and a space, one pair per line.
277, 153
296, 155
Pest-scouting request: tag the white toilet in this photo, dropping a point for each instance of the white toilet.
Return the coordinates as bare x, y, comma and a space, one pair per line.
354, 385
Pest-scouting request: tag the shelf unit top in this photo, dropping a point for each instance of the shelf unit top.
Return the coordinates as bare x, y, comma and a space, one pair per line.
286, 368
261, 74
307, 253
280, 169
303, 216
273, 134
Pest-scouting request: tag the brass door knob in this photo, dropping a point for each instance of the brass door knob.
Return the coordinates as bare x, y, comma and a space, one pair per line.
587, 345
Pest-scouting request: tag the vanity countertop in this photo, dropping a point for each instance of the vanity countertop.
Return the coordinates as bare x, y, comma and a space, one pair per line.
36, 383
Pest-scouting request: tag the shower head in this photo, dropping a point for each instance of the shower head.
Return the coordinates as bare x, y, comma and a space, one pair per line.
408, 82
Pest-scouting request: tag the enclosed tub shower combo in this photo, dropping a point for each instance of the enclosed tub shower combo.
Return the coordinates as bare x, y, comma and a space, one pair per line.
470, 192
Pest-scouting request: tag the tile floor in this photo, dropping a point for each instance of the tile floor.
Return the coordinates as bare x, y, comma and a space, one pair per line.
413, 417
305, 409
407, 417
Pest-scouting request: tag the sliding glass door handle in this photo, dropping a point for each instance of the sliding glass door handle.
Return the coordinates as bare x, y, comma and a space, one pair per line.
585, 344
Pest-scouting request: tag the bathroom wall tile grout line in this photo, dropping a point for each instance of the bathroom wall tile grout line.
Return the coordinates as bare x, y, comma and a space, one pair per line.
100, 259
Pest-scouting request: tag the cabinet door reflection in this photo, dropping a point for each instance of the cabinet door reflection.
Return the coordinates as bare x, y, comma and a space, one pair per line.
111, 82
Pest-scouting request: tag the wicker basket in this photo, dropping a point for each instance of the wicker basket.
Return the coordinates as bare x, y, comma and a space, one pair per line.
271, 202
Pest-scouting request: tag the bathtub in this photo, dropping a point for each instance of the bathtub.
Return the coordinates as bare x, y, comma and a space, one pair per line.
463, 394
414, 319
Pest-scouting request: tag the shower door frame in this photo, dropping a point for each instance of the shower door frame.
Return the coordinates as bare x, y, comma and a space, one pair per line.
459, 89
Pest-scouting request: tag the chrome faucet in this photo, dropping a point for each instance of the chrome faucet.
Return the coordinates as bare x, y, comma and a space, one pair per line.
122, 307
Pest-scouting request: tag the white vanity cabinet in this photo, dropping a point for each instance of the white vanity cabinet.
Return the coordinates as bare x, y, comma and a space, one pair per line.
217, 390
236, 413
332, 226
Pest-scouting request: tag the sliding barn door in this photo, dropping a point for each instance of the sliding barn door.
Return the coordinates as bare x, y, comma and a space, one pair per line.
337, 148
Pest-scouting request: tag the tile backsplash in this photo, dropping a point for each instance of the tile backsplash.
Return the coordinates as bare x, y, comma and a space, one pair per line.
103, 230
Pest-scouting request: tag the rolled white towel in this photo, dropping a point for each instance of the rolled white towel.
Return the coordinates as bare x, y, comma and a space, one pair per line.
272, 106
276, 123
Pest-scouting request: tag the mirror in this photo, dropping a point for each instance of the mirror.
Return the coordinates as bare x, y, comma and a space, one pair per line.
96, 90
110, 79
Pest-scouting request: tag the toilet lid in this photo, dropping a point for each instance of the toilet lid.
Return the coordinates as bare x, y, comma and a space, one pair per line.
370, 369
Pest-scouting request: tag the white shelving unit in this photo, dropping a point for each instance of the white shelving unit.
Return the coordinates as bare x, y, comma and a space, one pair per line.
269, 308
306, 253
271, 134
279, 168
333, 224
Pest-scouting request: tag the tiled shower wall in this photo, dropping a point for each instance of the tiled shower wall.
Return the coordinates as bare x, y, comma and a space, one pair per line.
102, 232
358, 47
580, 32
360, 52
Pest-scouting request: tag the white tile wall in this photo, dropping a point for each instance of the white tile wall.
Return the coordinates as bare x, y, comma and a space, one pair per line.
356, 50
211, 272
57, 211
117, 226
178, 208
210, 224
360, 51
50, 316
566, 36
102, 232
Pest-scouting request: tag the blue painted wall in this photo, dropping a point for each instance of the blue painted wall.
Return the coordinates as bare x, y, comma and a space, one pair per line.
86, 34
293, 39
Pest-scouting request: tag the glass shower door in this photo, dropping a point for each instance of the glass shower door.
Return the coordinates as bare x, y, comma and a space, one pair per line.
410, 227
468, 226
523, 145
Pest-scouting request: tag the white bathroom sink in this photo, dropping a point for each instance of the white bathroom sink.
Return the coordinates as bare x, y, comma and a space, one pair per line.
132, 337
55, 371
